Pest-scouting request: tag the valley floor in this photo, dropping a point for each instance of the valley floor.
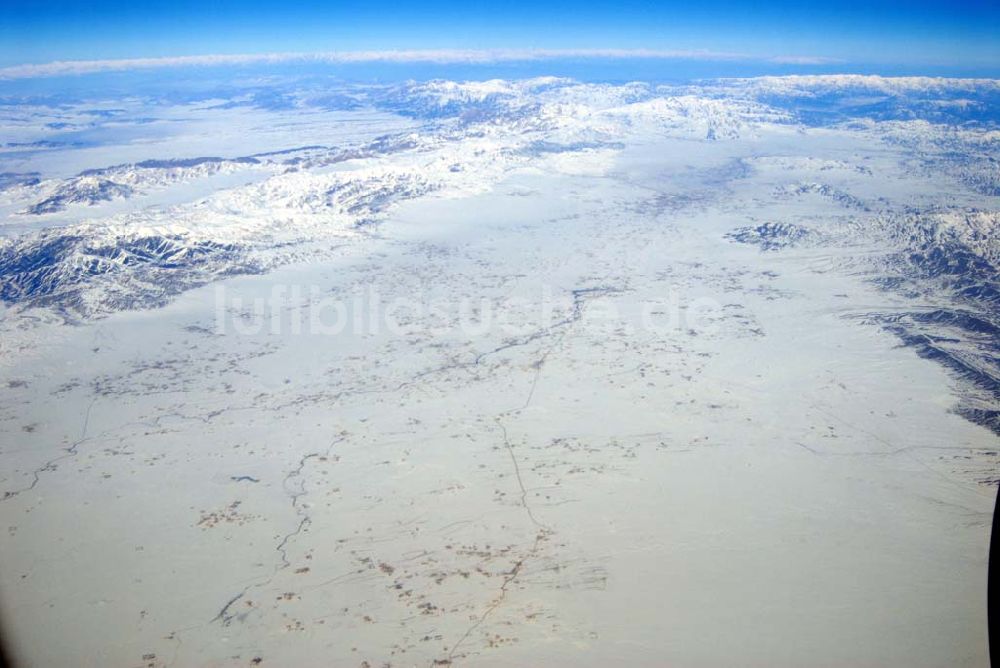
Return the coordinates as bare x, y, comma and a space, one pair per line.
667, 448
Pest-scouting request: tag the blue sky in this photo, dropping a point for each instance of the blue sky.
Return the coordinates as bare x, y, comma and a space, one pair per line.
914, 33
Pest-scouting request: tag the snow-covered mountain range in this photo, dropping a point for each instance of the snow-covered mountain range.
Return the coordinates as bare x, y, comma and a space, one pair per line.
130, 235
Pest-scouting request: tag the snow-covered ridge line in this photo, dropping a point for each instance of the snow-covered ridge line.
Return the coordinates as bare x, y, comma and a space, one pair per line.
475, 133
540, 104
886, 84
817, 100
482, 131
122, 181
946, 261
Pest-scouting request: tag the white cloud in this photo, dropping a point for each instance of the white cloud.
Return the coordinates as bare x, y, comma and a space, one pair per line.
74, 67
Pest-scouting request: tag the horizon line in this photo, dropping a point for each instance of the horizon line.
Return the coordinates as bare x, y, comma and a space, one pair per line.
435, 56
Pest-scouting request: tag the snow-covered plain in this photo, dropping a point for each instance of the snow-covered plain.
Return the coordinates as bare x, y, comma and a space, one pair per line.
699, 375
